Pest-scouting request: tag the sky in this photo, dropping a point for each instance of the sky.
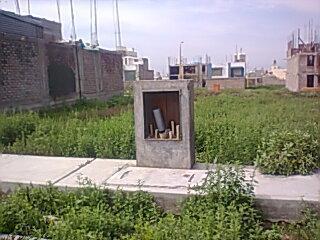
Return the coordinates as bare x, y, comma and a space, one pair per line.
214, 27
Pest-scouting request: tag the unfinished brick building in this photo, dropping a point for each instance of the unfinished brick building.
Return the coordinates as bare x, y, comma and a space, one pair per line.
37, 69
303, 70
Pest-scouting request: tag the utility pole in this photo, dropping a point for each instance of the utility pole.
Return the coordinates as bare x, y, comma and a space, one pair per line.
180, 61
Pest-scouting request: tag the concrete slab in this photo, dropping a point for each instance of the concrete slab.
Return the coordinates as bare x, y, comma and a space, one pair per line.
98, 171
157, 179
279, 198
288, 188
37, 169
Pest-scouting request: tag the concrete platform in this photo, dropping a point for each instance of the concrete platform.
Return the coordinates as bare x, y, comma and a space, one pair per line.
38, 169
279, 198
98, 172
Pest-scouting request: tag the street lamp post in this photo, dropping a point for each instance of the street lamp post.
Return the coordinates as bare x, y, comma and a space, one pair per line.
180, 62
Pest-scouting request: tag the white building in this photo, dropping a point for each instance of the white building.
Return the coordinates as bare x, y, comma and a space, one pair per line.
135, 68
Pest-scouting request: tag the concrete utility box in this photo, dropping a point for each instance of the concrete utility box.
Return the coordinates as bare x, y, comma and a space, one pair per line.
164, 125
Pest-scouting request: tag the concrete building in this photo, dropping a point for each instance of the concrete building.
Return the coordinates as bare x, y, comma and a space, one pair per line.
36, 71
134, 68
254, 78
303, 64
275, 75
197, 70
277, 71
231, 74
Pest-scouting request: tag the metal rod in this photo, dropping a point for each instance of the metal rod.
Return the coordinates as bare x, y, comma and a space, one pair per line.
73, 25
118, 24
95, 23
17, 6
29, 7
180, 62
58, 8
91, 33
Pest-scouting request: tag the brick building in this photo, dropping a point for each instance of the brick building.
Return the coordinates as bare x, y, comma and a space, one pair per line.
37, 69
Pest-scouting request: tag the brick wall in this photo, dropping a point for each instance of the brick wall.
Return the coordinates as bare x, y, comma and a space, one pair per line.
29, 69
272, 80
111, 68
228, 83
90, 76
22, 78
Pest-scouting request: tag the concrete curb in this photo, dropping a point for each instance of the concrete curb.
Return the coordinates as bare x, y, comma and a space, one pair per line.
278, 197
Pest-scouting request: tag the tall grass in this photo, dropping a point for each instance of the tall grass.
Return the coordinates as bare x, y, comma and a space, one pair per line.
229, 126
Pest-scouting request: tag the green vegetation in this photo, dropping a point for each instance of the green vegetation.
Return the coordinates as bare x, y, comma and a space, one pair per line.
231, 127
88, 129
221, 209
288, 153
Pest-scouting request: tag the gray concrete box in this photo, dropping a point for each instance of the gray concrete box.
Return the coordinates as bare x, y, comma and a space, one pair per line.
175, 99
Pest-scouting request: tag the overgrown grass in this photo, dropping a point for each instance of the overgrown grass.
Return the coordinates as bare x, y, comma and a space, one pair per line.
222, 209
229, 126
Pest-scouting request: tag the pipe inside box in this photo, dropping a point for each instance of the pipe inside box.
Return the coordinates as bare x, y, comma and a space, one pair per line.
161, 115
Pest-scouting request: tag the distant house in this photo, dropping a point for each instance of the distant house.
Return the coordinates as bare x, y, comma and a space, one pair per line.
134, 68
231, 74
303, 60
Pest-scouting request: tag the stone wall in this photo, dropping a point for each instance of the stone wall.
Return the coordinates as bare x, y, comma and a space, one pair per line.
226, 83
35, 74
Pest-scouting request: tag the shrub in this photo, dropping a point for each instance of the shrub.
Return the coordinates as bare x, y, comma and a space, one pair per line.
222, 209
289, 152
87, 213
16, 127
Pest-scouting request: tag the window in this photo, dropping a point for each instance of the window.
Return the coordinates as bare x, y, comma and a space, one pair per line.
216, 71
237, 72
310, 80
174, 70
189, 69
310, 60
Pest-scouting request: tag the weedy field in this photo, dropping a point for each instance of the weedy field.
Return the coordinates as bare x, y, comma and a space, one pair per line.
268, 126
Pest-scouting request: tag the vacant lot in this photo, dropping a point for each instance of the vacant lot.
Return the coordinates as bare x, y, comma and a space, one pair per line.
229, 126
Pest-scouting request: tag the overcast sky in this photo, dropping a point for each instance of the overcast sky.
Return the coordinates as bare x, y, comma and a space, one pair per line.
156, 27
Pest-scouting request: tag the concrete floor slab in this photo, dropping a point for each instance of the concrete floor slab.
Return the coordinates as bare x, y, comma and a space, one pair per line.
157, 179
278, 197
97, 172
37, 169
288, 188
